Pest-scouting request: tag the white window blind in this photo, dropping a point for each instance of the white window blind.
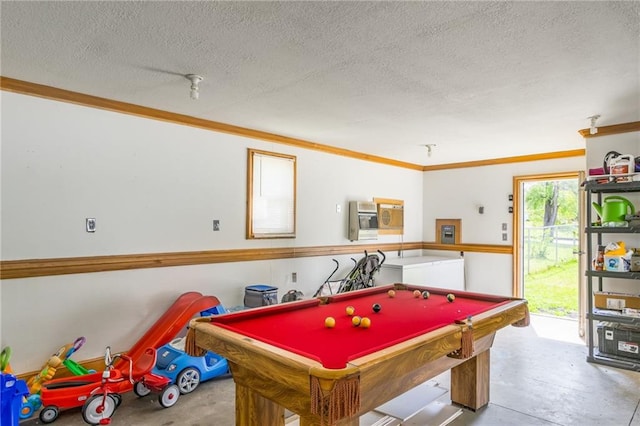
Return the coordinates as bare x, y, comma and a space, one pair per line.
272, 197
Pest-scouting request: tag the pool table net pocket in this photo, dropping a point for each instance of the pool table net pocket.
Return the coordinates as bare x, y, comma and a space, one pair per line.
343, 400
190, 346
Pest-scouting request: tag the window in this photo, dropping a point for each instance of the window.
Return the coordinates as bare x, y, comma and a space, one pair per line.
271, 195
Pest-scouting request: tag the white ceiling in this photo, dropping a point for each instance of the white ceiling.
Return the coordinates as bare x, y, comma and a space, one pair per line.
478, 79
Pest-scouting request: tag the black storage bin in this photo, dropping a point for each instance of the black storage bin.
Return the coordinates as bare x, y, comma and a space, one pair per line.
619, 340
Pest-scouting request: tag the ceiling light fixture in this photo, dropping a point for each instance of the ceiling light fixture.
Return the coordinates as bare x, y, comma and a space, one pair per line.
195, 80
429, 147
592, 128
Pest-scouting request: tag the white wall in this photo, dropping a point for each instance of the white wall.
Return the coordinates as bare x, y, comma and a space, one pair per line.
457, 193
156, 187
152, 187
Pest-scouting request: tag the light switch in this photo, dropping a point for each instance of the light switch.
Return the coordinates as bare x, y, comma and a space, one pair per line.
91, 224
216, 225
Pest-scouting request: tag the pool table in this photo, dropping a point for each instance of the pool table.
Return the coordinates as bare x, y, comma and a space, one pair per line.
284, 356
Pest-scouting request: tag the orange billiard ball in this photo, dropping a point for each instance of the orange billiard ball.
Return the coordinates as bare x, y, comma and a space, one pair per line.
356, 321
350, 310
416, 293
329, 322
451, 297
365, 322
391, 293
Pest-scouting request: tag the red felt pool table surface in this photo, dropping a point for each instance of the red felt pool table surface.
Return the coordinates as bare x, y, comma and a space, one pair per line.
300, 327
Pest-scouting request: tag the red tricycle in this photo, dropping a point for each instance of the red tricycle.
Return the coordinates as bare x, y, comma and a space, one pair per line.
99, 393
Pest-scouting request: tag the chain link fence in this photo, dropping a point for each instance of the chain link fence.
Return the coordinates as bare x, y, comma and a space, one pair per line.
546, 246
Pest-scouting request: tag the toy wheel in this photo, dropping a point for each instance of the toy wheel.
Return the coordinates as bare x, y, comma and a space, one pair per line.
98, 408
49, 414
188, 380
26, 410
117, 398
35, 401
169, 396
141, 390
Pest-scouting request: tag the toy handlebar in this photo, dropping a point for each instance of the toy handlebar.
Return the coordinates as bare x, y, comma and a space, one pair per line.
5, 356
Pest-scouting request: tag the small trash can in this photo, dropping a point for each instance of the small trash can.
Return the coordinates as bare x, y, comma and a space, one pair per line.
12, 391
260, 295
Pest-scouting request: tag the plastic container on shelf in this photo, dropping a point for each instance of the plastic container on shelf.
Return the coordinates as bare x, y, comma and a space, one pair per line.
619, 340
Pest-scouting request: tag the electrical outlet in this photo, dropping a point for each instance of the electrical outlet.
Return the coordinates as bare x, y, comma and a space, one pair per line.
90, 223
216, 225
504, 236
338, 208
504, 226
294, 277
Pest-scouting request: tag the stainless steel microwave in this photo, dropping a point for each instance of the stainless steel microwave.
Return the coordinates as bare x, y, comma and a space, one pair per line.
363, 220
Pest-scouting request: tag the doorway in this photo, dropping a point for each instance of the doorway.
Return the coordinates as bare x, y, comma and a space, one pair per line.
547, 240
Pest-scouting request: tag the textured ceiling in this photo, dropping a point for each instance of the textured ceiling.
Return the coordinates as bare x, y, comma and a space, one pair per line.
478, 79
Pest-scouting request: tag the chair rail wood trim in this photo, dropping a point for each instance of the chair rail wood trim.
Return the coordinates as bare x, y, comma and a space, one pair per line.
28, 268
474, 248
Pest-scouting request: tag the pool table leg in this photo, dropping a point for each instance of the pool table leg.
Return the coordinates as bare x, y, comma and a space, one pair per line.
470, 382
252, 409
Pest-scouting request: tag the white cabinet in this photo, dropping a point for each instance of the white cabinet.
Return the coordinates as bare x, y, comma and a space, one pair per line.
431, 271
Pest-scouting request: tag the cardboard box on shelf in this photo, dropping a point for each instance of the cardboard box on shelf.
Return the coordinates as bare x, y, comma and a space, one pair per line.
616, 301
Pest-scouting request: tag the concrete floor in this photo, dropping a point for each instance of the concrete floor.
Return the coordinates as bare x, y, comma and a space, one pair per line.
539, 376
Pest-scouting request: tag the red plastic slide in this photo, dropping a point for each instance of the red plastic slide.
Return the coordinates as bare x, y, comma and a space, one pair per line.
172, 322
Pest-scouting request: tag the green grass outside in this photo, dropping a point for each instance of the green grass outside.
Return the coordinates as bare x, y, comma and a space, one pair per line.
553, 290
536, 263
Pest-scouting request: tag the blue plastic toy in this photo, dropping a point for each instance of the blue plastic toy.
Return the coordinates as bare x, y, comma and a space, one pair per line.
189, 371
12, 394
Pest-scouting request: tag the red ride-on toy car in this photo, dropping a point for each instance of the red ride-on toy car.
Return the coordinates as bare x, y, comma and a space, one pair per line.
99, 393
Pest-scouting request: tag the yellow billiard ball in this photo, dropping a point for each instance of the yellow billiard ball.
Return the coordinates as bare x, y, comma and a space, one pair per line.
391, 293
356, 321
329, 322
416, 293
350, 310
365, 322
451, 297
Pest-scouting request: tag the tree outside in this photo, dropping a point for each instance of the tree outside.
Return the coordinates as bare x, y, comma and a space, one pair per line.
550, 239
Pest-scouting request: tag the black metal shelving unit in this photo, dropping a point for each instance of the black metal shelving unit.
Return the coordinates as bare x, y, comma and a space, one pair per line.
595, 278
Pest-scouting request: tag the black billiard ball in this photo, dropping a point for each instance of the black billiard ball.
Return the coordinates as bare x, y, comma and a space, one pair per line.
425, 294
376, 307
